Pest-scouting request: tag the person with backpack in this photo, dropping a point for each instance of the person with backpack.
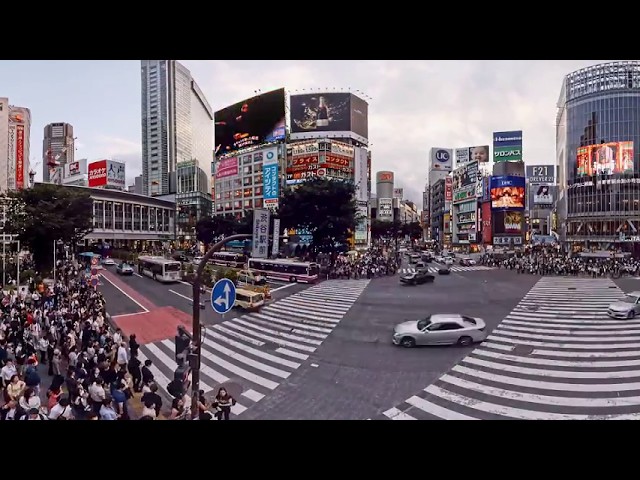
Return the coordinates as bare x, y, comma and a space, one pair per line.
32, 377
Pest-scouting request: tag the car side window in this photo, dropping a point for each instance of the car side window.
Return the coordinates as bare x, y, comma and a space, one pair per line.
424, 323
450, 326
435, 327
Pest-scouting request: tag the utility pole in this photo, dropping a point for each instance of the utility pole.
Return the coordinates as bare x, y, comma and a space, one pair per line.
197, 329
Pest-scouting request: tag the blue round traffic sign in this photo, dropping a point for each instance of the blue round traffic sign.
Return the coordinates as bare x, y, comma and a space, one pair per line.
223, 296
94, 282
269, 155
94, 272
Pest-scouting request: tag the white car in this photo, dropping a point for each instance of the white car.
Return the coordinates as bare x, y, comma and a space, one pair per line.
447, 260
108, 262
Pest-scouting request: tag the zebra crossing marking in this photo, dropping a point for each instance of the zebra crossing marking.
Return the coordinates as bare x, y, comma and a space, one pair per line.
577, 364
260, 350
453, 268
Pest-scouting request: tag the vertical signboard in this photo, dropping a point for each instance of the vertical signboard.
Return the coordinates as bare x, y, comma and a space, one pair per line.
270, 178
11, 161
19, 157
507, 146
361, 225
116, 174
398, 193
362, 175
462, 156
260, 233
98, 173
385, 209
275, 247
448, 190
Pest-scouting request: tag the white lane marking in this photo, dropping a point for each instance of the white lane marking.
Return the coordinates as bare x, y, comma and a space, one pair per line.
297, 302
542, 399
557, 363
299, 356
128, 315
277, 341
301, 308
288, 336
239, 336
598, 327
284, 328
570, 332
181, 295
606, 321
271, 318
125, 294
253, 351
288, 285
253, 395
519, 413
560, 338
395, 414
158, 377
170, 363
137, 275
576, 346
563, 354
278, 310
551, 373
437, 410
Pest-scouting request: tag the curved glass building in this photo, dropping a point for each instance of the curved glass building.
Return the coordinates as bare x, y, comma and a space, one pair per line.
598, 157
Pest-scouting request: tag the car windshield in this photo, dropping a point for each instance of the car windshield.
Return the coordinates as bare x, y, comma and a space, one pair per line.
630, 299
424, 323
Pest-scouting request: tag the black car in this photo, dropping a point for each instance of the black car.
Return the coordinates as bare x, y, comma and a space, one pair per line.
444, 271
416, 278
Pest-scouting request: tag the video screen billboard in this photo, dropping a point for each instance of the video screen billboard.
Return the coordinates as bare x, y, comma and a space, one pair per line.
385, 209
251, 122
542, 195
479, 154
329, 112
465, 175
605, 159
509, 222
507, 193
359, 116
507, 146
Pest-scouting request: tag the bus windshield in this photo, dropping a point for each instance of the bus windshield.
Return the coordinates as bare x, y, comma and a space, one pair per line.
172, 267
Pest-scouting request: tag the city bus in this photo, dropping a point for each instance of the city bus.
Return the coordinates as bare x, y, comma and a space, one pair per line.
289, 270
85, 258
229, 259
160, 269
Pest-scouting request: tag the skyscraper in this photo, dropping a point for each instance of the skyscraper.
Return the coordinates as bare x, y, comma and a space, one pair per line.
58, 145
15, 130
177, 125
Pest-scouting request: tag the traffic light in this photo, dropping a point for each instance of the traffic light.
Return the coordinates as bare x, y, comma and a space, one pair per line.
182, 343
180, 383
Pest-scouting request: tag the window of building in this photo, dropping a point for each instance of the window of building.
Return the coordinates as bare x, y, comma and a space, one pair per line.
258, 203
248, 192
237, 194
118, 214
227, 195
258, 191
108, 215
246, 159
98, 214
257, 180
237, 182
153, 219
128, 216
247, 170
218, 196
248, 203
136, 217
247, 181
144, 213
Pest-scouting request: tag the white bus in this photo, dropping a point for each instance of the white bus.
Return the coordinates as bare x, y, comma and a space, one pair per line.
229, 259
159, 268
289, 270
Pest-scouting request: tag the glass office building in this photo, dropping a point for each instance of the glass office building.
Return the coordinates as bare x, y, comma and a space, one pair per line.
598, 146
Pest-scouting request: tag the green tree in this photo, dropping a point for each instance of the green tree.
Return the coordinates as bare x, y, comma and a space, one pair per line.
326, 208
209, 228
384, 229
244, 224
413, 229
47, 213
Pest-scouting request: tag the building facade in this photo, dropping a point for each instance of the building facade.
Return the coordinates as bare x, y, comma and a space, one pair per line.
191, 201
15, 137
437, 212
177, 124
58, 145
464, 206
598, 148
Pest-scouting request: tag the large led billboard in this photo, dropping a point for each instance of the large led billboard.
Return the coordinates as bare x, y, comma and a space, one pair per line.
465, 175
507, 146
329, 112
509, 223
605, 158
507, 193
251, 122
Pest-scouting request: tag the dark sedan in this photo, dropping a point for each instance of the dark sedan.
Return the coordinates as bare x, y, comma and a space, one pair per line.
417, 278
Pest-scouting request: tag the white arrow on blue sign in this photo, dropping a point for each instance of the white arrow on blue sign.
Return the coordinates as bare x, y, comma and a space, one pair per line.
223, 296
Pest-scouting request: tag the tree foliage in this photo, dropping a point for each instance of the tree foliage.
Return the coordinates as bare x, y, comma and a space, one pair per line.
326, 208
385, 229
414, 230
210, 228
47, 213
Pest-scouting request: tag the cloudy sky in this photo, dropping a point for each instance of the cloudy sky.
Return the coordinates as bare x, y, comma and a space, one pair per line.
414, 105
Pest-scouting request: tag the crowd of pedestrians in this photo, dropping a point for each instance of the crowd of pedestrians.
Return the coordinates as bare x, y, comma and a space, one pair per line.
552, 262
375, 262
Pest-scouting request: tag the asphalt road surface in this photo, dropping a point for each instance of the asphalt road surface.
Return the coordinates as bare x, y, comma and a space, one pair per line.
556, 356
357, 372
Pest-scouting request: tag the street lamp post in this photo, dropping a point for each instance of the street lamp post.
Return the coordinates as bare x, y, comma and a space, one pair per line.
197, 336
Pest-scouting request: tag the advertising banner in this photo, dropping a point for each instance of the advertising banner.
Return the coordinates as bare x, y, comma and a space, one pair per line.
385, 209
486, 182
342, 149
270, 177
507, 146
447, 224
507, 193
465, 176
329, 112
116, 174
448, 189
227, 167
20, 157
486, 223
462, 156
464, 195
362, 175
508, 222
260, 233
441, 159
11, 151
305, 149
257, 120
303, 164
98, 173
605, 159
425, 199
542, 195
73, 168
336, 162
384, 177
541, 174
398, 193
479, 154
361, 225
275, 246
359, 116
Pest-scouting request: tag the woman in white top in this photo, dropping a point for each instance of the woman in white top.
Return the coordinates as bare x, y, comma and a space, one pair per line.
149, 410
61, 411
29, 400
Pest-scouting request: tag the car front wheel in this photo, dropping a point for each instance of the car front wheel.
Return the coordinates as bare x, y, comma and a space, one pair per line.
465, 341
408, 342
631, 314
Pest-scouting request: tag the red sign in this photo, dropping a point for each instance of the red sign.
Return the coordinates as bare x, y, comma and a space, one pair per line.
448, 189
385, 176
485, 227
334, 161
20, 157
98, 173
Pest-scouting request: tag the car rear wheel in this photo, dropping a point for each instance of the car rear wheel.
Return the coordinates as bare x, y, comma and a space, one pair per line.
465, 341
293, 280
631, 314
408, 342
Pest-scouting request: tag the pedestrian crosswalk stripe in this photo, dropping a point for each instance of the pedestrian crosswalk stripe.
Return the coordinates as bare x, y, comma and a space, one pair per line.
569, 363
453, 268
260, 350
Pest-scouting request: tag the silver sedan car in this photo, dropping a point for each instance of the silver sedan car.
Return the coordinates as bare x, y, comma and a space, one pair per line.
440, 329
628, 307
